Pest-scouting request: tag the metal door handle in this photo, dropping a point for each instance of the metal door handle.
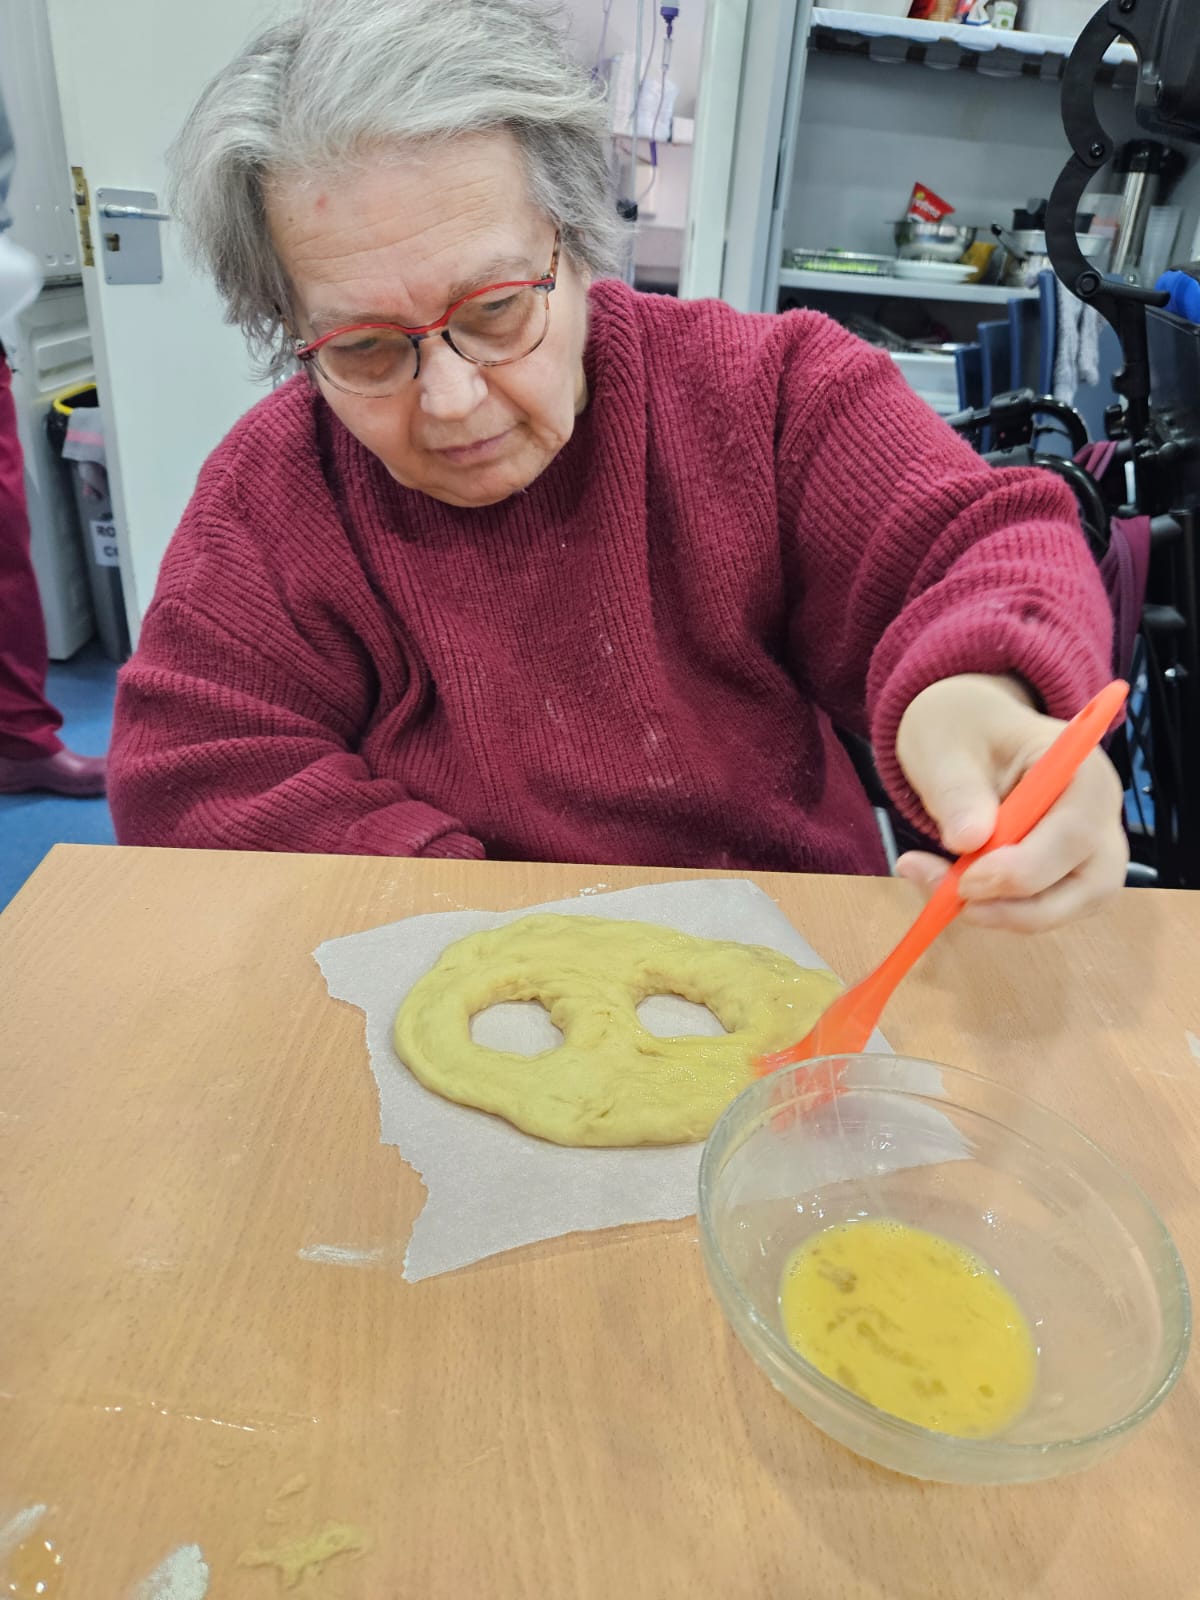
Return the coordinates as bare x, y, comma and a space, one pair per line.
135, 212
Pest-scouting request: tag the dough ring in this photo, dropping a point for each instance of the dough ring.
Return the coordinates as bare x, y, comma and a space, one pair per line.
610, 1082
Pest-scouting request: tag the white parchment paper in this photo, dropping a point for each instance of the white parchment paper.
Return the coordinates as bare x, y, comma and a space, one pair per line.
491, 1187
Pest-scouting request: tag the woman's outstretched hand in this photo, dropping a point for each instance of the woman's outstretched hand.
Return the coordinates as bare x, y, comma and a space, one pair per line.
963, 744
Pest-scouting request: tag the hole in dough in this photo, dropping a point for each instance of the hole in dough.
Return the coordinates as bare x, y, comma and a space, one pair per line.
666, 1016
520, 1026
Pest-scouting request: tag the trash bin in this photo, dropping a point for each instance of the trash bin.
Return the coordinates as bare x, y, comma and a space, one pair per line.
75, 424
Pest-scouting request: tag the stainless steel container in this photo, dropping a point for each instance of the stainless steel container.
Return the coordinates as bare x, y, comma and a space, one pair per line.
933, 241
1147, 168
1027, 255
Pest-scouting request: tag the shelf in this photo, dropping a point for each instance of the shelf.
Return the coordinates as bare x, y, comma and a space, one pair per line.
997, 52
983, 294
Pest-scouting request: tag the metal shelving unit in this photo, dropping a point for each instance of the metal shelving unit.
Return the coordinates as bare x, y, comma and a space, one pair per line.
992, 51
890, 288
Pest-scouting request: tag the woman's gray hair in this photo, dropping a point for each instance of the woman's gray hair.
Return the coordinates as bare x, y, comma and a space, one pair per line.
339, 81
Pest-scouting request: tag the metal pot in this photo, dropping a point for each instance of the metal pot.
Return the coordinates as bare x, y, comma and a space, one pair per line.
933, 241
1027, 256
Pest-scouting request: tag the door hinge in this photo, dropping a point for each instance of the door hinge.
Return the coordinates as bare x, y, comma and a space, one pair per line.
83, 206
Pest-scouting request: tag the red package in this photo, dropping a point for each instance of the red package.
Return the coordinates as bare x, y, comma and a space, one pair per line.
925, 206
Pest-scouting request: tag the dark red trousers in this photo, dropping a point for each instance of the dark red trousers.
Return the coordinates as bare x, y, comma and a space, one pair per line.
29, 724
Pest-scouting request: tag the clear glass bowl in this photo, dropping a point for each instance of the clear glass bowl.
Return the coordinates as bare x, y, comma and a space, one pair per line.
1073, 1238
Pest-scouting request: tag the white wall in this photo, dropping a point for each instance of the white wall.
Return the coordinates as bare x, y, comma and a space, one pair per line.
664, 209
585, 20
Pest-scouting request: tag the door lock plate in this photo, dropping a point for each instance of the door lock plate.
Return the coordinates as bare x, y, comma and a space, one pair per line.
131, 240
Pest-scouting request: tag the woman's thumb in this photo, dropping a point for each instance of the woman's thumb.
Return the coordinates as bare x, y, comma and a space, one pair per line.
959, 793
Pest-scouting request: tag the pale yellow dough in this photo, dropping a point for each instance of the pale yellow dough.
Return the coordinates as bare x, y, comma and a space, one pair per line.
610, 1082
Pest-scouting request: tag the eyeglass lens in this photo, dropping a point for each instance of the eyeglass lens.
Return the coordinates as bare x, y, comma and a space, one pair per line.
488, 329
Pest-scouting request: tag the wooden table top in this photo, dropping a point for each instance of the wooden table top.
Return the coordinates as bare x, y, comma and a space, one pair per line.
183, 1110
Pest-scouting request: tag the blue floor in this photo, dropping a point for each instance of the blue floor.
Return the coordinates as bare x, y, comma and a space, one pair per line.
30, 824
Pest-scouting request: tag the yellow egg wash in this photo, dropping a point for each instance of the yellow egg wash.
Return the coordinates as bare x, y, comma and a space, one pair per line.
916, 1325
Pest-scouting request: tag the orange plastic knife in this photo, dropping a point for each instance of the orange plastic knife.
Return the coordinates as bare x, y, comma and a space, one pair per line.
845, 1027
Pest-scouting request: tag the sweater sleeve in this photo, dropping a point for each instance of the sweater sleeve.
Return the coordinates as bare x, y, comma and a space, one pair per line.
236, 727
911, 560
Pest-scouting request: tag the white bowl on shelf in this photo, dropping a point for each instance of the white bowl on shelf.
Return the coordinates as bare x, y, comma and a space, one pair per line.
1060, 19
934, 271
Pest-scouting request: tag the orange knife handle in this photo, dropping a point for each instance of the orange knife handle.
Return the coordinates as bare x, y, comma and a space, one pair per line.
1038, 791
1050, 777
1041, 787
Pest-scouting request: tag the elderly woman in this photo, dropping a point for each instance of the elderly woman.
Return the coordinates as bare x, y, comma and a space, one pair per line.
525, 564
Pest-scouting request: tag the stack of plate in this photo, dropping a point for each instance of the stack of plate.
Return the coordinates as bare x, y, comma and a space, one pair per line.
943, 272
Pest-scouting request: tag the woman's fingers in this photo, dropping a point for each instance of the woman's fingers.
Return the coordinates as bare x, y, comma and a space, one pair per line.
954, 778
963, 744
1066, 867
1078, 895
1056, 848
925, 870
1084, 824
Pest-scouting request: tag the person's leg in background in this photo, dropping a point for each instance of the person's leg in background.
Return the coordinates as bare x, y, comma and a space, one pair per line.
32, 756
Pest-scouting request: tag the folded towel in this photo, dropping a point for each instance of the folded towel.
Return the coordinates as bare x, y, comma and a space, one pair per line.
1077, 358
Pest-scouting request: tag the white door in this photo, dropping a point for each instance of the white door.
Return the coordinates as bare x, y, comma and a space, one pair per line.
748, 105
749, 277
717, 103
172, 377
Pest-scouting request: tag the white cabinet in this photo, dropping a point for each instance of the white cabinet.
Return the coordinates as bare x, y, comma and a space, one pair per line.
934, 377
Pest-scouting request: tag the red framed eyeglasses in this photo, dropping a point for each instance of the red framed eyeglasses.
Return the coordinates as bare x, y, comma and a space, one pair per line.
490, 327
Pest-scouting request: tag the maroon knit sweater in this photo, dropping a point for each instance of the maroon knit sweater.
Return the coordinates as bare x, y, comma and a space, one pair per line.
756, 532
